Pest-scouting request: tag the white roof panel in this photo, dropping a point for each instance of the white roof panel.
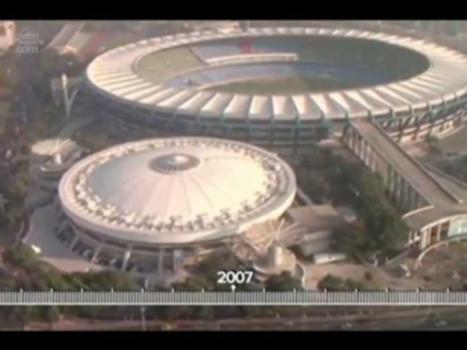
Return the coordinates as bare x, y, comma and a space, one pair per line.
215, 107
260, 108
329, 108
283, 107
238, 107
306, 108
196, 102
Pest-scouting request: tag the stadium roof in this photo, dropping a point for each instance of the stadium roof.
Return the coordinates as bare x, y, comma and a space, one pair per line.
176, 190
114, 75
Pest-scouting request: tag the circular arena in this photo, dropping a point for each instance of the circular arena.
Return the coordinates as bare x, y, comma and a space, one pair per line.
154, 204
283, 88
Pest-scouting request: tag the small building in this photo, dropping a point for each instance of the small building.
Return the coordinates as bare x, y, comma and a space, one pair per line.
316, 225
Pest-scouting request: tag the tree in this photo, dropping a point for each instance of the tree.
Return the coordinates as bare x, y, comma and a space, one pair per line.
283, 282
209, 267
324, 175
50, 314
53, 64
352, 240
315, 184
22, 315
107, 280
335, 283
22, 256
7, 282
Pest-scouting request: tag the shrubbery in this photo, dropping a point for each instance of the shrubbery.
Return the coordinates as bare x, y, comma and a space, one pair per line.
283, 283
456, 167
334, 283
330, 178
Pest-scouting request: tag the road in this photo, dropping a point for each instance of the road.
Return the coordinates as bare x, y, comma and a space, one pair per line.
440, 318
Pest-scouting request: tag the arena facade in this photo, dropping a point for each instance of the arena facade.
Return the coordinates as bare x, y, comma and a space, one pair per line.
282, 88
152, 205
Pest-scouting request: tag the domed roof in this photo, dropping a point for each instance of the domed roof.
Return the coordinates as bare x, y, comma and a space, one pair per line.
176, 190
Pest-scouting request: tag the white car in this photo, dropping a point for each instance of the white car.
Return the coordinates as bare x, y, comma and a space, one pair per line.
36, 249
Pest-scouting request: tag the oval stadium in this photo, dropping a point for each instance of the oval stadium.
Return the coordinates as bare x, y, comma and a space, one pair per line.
282, 88
146, 205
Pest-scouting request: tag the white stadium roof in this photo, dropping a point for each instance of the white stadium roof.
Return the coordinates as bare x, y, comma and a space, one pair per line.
176, 190
114, 74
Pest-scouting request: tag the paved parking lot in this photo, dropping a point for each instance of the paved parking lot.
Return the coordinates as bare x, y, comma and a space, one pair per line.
53, 251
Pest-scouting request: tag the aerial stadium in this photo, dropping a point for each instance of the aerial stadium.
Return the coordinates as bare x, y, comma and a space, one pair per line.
281, 88
152, 205
212, 99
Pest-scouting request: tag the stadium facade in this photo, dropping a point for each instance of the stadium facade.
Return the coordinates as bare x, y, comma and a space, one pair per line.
155, 205
282, 88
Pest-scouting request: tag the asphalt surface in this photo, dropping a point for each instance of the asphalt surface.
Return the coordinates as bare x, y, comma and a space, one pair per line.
402, 319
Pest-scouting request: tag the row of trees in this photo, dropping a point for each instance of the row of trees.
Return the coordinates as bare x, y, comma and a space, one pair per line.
32, 274
456, 167
330, 178
204, 277
13, 190
27, 272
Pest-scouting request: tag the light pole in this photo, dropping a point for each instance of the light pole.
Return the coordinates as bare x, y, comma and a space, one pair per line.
66, 97
65, 94
143, 308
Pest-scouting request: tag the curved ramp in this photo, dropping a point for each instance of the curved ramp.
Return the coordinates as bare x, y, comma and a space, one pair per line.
414, 173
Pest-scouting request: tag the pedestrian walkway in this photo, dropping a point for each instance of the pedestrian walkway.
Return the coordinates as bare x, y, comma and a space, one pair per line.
444, 199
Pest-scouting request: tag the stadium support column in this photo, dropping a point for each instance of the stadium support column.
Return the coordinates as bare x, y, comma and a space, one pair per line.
126, 258
413, 199
425, 238
345, 136
392, 182
353, 140
75, 241
364, 152
361, 148
375, 161
400, 130
438, 232
398, 189
176, 260
96, 253
403, 125
434, 119
370, 158
160, 263
407, 189
419, 120
61, 227
388, 179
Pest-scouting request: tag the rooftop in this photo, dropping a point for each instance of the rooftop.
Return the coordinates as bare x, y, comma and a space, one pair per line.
317, 218
177, 190
116, 74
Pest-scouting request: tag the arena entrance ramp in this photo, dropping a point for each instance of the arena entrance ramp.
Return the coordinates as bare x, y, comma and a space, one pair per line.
409, 182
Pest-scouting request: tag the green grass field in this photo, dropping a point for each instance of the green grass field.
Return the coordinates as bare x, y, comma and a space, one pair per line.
159, 66
289, 85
